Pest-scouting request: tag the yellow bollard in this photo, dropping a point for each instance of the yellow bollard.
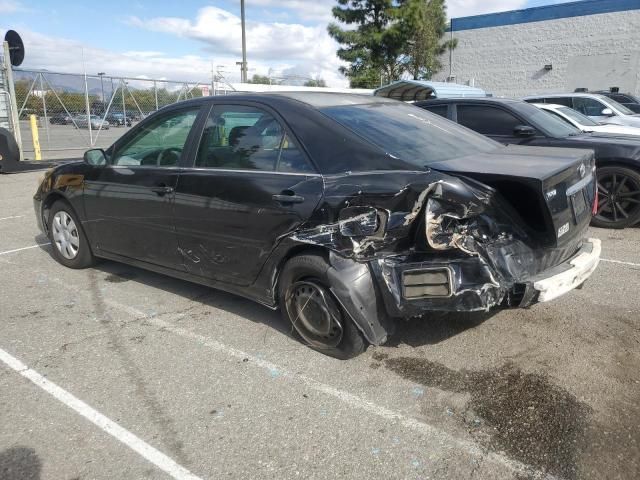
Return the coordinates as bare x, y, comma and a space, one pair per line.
34, 136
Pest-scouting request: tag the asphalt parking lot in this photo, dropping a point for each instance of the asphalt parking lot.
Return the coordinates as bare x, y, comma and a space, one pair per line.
114, 372
66, 141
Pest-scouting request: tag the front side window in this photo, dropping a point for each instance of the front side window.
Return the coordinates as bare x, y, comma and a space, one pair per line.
238, 137
159, 143
588, 106
487, 120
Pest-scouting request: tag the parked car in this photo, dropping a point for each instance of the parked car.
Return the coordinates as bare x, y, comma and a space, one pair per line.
632, 102
118, 119
584, 123
597, 107
517, 122
82, 121
347, 212
60, 119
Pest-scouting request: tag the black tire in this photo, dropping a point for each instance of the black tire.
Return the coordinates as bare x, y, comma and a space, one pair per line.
83, 257
310, 271
618, 197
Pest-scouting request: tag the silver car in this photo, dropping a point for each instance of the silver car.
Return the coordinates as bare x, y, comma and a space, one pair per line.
97, 122
599, 108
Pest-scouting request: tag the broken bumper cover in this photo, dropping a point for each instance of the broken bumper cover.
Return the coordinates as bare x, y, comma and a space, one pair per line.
413, 288
569, 275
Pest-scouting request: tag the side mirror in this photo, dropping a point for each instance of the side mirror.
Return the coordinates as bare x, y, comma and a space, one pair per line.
95, 157
607, 112
524, 131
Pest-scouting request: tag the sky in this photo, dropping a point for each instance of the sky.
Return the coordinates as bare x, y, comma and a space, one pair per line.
183, 40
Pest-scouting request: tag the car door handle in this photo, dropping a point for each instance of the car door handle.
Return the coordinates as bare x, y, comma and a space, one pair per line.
162, 189
288, 198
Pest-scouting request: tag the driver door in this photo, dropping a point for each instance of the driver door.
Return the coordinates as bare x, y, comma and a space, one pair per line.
129, 202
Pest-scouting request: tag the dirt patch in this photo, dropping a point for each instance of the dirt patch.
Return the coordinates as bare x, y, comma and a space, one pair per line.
527, 417
120, 277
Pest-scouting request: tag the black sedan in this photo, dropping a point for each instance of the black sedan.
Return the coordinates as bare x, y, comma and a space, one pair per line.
347, 212
517, 122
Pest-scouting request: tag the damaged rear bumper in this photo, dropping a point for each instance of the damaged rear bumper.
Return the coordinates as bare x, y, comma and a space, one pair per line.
469, 284
569, 275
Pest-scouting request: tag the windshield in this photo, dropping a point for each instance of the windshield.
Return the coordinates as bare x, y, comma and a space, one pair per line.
577, 117
617, 106
410, 133
545, 121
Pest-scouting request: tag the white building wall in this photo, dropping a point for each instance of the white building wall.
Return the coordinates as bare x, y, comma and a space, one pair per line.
594, 51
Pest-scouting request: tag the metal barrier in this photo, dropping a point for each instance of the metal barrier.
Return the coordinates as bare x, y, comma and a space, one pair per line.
76, 112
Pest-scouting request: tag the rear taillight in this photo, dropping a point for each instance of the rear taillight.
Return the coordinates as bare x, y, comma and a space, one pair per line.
594, 210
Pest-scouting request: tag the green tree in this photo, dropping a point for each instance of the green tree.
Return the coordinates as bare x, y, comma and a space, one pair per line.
315, 82
261, 79
423, 24
373, 48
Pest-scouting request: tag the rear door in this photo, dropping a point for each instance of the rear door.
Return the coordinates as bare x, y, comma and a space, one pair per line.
130, 201
250, 184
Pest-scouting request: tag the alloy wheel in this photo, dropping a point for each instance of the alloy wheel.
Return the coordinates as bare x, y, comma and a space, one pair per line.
618, 197
65, 235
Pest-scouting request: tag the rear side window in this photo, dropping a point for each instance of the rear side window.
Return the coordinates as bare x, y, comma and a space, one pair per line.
487, 120
238, 137
437, 109
566, 101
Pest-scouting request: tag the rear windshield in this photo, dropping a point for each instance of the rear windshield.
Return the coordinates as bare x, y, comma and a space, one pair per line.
410, 133
578, 117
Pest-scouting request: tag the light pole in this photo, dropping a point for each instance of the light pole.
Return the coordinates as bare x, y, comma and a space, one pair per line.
104, 106
244, 45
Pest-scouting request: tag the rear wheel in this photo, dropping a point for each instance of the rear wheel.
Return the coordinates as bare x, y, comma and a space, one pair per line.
618, 198
314, 313
70, 245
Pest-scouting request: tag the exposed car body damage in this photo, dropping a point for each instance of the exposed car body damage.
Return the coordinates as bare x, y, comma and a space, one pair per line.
466, 226
471, 231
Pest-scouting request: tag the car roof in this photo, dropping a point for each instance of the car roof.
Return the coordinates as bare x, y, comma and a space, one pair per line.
490, 100
564, 95
313, 99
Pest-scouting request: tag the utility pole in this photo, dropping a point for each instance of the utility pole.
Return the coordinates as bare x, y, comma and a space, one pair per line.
244, 46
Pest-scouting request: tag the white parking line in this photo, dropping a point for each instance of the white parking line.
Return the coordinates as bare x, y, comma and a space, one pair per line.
138, 445
631, 264
433, 433
13, 216
24, 248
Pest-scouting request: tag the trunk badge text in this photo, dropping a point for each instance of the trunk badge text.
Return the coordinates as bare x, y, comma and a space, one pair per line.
563, 229
551, 194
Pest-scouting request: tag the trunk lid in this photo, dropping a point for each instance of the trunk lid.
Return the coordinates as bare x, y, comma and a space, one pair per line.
551, 189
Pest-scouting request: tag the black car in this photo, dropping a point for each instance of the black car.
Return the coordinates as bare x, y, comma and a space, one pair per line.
60, 119
630, 101
347, 212
118, 119
516, 122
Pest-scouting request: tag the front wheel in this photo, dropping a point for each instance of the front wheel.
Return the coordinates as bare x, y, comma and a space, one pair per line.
618, 198
70, 245
312, 310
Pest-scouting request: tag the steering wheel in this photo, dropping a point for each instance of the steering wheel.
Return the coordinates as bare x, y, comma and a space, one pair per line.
174, 150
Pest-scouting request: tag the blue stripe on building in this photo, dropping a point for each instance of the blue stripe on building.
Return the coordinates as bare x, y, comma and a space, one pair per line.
547, 12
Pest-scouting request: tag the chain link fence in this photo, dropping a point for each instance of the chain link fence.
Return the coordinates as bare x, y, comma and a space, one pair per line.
76, 112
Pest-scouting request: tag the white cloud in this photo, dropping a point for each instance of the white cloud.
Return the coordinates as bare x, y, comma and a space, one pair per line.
278, 45
10, 6
317, 10
466, 8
